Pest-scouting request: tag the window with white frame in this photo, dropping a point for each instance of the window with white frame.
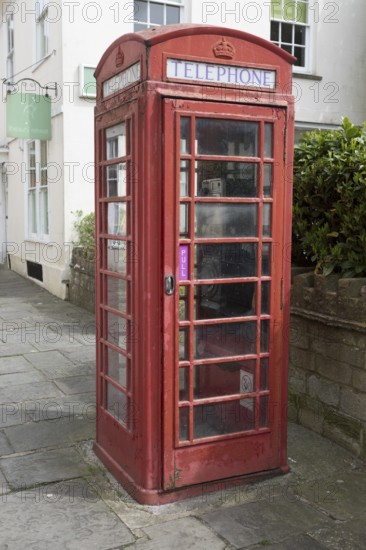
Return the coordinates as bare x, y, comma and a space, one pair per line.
41, 30
10, 46
38, 224
149, 13
290, 28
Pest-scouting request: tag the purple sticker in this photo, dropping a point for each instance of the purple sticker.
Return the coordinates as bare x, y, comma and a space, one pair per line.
183, 262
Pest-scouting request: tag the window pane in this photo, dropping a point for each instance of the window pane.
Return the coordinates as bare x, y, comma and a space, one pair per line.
172, 15
224, 418
268, 140
265, 297
214, 220
276, 9
185, 135
264, 336
267, 216
267, 180
266, 259
225, 340
302, 11
219, 379
32, 213
226, 179
183, 303
117, 330
184, 178
224, 261
117, 218
140, 13
264, 374
263, 412
116, 141
184, 220
225, 300
117, 367
300, 33
183, 344
183, 423
275, 31
116, 294
117, 256
140, 27
286, 34
156, 14
117, 403
116, 180
184, 384
227, 137
44, 210
299, 53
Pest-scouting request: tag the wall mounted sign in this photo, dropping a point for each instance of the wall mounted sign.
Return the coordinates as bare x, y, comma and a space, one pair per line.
221, 74
28, 116
122, 80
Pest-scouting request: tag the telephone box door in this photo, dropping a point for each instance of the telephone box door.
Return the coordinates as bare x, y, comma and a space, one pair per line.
223, 276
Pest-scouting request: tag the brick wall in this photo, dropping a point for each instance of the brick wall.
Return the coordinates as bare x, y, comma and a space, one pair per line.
327, 377
82, 279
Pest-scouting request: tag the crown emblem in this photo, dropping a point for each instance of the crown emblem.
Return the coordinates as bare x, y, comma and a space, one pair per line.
119, 58
224, 49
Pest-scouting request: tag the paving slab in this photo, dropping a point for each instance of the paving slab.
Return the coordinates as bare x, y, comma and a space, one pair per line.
4, 488
43, 467
18, 378
9, 350
5, 447
68, 406
76, 384
11, 365
340, 536
299, 542
253, 523
180, 533
49, 433
66, 516
82, 354
27, 392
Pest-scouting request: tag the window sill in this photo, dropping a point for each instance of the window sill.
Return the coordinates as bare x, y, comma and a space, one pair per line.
307, 76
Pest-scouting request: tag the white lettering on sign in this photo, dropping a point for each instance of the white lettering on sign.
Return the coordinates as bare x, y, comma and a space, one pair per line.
220, 74
122, 80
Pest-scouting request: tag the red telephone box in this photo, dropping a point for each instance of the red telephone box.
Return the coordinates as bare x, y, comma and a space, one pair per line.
193, 206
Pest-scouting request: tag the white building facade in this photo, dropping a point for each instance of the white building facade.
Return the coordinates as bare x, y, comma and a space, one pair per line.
45, 182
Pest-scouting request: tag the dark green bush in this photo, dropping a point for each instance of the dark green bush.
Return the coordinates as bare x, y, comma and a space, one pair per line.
329, 215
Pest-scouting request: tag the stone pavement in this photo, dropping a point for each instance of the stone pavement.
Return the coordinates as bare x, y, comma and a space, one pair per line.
54, 492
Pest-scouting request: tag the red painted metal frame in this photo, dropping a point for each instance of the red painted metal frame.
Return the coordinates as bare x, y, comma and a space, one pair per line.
145, 456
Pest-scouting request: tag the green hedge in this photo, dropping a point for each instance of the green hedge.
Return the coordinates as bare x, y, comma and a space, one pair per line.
329, 215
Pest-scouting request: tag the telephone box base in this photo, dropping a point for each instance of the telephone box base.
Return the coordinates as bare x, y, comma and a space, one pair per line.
154, 497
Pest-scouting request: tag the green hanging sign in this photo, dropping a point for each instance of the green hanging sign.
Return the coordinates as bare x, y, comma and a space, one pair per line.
28, 116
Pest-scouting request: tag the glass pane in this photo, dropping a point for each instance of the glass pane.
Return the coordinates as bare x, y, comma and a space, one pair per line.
115, 138
117, 403
44, 210
267, 215
116, 294
183, 424
185, 135
213, 220
183, 344
276, 9
227, 137
183, 303
117, 330
117, 218
264, 374
44, 177
300, 33
184, 384
172, 15
225, 261
32, 212
299, 53
140, 11
225, 340
156, 13
286, 33
43, 154
117, 367
275, 31
117, 256
263, 412
230, 300
302, 11
140, 27
184, 220
116, 180
223, 418
264, 336
267, 180
226, 179
268, 140
266, 259
184, 178
224, 379
265, 297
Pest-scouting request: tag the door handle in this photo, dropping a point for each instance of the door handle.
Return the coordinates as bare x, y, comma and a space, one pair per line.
169, 284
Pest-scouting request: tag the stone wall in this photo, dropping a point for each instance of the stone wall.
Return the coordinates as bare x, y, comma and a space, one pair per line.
327, 378
82, 279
